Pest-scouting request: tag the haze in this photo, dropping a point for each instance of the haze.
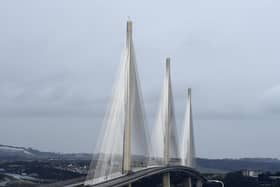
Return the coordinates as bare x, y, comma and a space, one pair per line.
58, 61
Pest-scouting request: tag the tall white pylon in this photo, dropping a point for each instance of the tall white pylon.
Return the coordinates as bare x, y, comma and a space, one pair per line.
126, 166
135, 139
188, 148
164, 133
166, 127
167, 117
123, 132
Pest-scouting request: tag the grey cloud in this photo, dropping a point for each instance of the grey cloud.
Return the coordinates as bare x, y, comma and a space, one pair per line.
270, 100
60, 58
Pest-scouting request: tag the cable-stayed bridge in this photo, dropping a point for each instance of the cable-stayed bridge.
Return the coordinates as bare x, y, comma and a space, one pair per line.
130, 153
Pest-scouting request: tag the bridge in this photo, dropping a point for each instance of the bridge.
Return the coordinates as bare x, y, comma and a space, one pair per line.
129, 152
143, 178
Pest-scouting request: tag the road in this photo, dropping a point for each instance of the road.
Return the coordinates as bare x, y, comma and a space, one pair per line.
133, 177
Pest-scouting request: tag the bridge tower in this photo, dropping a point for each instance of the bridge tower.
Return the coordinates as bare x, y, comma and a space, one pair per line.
166, 135
126, 165
167, 112
188, 148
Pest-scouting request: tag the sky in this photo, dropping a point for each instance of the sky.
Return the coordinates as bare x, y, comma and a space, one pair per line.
59, 59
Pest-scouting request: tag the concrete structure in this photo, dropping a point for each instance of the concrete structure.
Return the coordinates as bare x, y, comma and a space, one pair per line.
126, 168
188, 182
166, 138
188, 149
199, 183
166, 180
167, 113
126, 180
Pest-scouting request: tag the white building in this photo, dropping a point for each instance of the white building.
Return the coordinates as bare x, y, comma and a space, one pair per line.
251, 173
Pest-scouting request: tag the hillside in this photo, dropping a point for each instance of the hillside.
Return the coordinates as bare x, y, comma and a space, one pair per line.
12, 153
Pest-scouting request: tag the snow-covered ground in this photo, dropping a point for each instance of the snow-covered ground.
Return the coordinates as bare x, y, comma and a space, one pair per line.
14, 149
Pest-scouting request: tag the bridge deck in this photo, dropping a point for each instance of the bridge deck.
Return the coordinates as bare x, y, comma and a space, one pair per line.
133, 177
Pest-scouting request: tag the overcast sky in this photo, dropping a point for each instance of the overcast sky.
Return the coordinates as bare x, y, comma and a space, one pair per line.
58, 62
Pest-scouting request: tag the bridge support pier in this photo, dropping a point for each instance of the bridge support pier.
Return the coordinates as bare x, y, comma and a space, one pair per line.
198, 183
166, 180
188, 182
